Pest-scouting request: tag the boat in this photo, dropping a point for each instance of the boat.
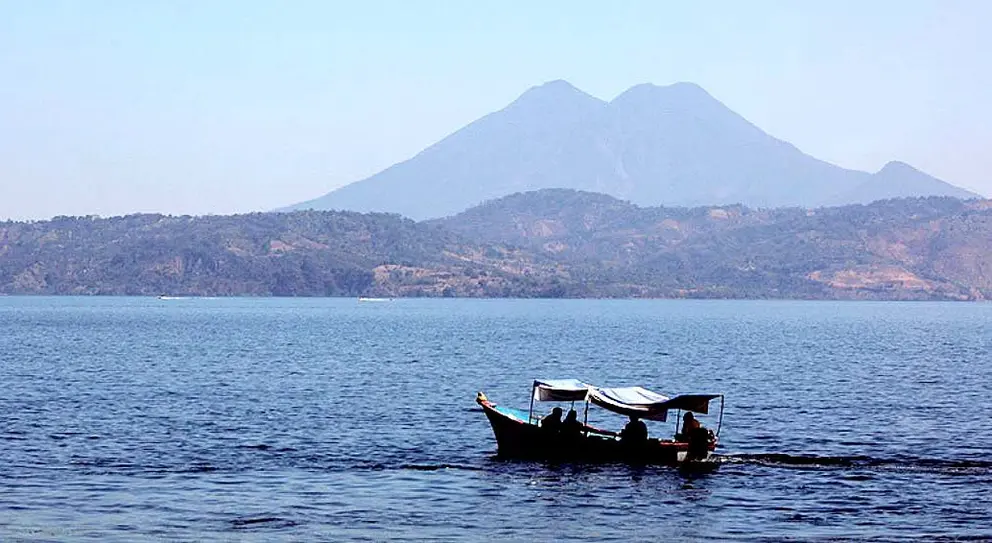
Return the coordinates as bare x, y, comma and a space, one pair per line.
521, 435
367, 299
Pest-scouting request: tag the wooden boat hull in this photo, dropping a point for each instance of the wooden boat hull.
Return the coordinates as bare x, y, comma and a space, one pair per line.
519, 439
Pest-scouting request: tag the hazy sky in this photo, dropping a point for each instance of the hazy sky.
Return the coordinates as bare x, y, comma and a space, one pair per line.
113, 107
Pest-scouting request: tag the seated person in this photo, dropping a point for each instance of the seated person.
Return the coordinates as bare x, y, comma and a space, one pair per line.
696, 436
689, 425
635, 432
552, 422
572, 427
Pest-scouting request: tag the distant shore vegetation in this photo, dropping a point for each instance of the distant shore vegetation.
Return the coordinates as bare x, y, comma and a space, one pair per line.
550, 243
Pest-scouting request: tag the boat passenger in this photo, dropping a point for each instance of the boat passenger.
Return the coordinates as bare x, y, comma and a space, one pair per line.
635, 432
571, 427
552, 422
696, 435
689, 426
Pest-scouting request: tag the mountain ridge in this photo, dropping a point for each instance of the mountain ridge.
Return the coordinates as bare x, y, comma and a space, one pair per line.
547, 243
654, 145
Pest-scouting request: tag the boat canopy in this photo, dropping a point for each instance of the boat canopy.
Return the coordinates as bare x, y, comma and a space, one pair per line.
631, 401
560, 390
643, 403
697, 403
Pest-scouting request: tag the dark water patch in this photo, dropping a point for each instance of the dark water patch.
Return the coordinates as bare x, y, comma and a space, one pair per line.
109, 463
269, 448
200, 468
262, 523
416, 467
436, 467
935, 465
63, 435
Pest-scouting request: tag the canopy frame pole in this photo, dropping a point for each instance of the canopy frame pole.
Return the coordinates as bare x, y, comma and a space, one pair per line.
719, 424
585, 418
530, 412
678, 420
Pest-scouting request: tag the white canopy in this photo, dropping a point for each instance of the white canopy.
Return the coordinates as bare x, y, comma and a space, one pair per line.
645, 404
560, 390
631, 401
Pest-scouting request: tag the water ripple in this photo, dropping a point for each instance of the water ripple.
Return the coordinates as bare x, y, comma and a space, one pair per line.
132, 419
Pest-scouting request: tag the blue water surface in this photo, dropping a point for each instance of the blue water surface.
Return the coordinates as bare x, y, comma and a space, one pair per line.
329, 419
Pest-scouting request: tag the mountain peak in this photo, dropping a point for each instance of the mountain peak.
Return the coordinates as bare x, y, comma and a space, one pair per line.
554, 92
555, 85
897, 166
681, 92
897, 179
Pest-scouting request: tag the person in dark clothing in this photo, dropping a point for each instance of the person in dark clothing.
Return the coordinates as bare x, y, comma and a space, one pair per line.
689, 426
552, 423
635, 432
572, 427
697, 436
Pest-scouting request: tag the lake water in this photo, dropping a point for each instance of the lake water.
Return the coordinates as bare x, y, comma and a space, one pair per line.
329, 419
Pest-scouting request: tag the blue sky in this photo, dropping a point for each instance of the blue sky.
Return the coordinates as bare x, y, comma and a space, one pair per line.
112, 107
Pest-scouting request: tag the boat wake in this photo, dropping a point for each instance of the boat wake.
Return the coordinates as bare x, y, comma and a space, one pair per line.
273, 456
901, 463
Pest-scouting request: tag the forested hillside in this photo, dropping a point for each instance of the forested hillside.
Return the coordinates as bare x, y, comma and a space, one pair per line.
549, 243
916, 248
281, 254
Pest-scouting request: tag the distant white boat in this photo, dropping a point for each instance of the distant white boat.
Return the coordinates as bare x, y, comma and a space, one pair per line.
364, 299
164, 297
